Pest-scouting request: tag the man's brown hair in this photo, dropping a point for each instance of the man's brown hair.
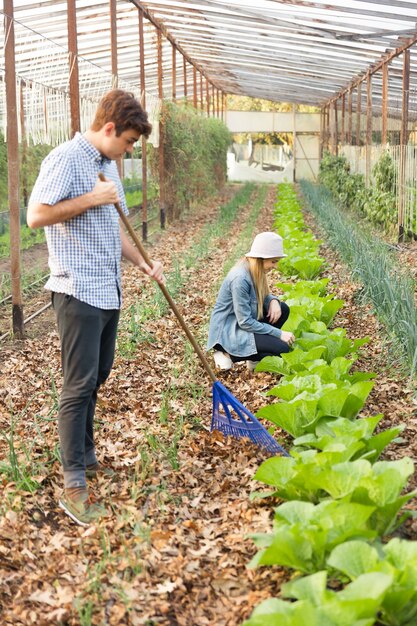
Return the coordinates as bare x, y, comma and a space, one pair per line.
124, 110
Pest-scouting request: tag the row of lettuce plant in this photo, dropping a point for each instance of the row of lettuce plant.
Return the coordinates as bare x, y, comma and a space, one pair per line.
340, 501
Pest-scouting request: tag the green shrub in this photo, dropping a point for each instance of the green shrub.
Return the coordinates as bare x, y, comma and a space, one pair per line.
377, 202
195, 157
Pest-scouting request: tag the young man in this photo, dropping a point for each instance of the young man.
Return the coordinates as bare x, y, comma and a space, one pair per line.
86, 243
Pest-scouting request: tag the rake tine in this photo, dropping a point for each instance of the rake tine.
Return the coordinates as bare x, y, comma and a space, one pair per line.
239, 427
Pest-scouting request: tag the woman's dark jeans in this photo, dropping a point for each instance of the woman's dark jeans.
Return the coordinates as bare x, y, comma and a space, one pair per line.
88, 339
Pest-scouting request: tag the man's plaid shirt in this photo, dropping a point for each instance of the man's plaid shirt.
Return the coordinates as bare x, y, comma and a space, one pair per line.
85, 251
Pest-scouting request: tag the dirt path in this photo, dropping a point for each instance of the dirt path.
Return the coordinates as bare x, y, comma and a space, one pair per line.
174, 552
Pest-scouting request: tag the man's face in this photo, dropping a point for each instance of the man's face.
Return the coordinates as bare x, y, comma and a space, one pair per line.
114, 147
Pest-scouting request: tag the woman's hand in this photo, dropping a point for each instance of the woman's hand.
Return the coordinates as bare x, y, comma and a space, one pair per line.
289, 338
274, 312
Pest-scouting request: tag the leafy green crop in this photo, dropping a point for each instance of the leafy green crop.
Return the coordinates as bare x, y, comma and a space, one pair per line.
329, 433
398, 559
313, 476
304, 534
357, 604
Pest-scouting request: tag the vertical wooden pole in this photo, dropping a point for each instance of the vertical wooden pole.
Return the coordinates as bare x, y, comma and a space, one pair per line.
349, 136
201, 92
384, 133
368, 148
321, 134
113, 41
294, 143
143, 141
403, 142
13, 169
174, 74
343, 127
74, 84
114, 68
184, 65
358, 114
161, 133
195, 102
213, 106
328, 133
24, 146
335, 130
217, 103
207, 97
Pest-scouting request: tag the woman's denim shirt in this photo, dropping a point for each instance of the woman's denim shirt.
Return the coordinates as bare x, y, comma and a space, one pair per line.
234, 318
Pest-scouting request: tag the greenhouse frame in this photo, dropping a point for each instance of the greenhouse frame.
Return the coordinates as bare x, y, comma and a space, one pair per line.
355, 61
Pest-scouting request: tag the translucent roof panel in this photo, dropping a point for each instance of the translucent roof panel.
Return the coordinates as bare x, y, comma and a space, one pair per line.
298, 51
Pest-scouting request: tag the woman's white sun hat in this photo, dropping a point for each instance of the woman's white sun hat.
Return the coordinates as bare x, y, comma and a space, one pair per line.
266, 246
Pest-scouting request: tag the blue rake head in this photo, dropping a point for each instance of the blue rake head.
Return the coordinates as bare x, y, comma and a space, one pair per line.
231, 418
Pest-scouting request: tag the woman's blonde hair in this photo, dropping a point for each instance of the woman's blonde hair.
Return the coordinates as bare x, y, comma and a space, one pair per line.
256, 269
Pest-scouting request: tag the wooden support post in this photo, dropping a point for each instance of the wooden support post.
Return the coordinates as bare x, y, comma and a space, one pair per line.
161, 133
207, 97
349, 136
74, 84
217, 103
328, 134
368, 147
213, 106
321, 134
184, 65
174, 74
201, 92
24, 145
13, 169
343, 127
195, 103
335, 130
114, 68
294, 143
113, 41
384, 133
403, 142
143, 142
358, 114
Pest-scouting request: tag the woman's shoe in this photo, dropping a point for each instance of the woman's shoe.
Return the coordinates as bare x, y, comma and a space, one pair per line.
222, 360
251, 365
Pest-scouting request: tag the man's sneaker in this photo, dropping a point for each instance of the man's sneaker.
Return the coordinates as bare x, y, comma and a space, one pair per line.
98, 469
251, 365
82, 509
222, 360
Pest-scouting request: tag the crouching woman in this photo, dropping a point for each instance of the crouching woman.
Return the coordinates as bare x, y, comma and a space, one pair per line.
246, 321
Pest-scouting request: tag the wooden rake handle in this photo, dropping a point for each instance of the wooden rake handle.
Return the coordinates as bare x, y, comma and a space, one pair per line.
165, 291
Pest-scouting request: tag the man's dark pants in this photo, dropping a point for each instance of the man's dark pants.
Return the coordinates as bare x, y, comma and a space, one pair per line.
88, 339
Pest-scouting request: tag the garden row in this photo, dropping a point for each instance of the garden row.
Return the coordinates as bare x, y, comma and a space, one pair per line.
387, 284
341, 503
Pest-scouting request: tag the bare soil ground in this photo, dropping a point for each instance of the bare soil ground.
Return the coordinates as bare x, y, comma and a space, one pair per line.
175, 549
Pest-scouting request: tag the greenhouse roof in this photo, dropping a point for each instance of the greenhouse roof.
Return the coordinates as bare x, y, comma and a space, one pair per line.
297, 51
